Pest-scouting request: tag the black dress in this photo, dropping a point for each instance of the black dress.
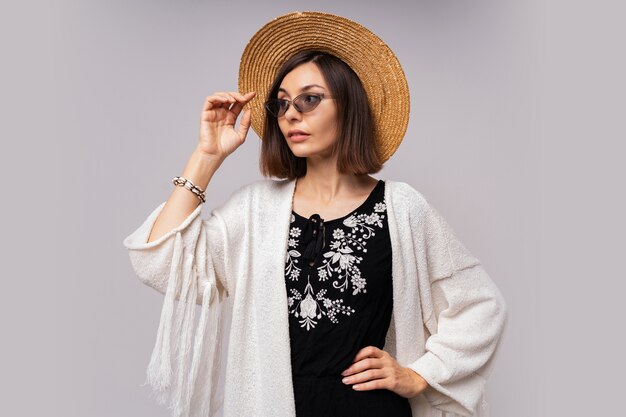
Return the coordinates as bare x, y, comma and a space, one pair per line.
339, 305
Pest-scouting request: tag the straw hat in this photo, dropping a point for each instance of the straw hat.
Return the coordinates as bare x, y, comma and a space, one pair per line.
369, 57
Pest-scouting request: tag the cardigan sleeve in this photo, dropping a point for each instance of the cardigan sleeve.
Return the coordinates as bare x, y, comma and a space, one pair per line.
187, 265
466, 317
199, 238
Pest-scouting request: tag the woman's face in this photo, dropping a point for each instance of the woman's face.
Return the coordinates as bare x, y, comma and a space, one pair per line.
320, 123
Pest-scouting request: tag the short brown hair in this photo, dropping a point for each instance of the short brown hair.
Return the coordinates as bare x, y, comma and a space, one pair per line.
356, 141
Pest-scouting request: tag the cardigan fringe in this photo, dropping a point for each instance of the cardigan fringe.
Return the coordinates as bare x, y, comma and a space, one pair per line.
159, 373
177, 366
207, 350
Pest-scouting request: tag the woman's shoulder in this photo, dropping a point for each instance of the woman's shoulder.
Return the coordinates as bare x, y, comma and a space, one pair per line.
403, 193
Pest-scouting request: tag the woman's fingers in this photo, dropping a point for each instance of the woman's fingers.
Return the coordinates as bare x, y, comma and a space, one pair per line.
237, 96
363, 364
232, 96
227, 96
225, 99
237, 108
214, 101
244, 124
365, 376
241, 101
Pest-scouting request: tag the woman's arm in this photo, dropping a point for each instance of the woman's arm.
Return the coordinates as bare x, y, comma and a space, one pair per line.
182, 202
174, 240
217, 139
467, 316
186, 258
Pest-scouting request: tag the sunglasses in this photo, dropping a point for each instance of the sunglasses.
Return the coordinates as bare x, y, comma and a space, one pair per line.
305, 102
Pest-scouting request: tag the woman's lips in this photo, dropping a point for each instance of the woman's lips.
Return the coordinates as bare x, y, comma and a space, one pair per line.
298, 137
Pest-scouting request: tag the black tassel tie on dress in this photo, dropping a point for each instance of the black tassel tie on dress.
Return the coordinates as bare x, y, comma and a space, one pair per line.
314, 236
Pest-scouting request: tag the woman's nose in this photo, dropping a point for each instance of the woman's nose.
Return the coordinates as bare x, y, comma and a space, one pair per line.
292, 112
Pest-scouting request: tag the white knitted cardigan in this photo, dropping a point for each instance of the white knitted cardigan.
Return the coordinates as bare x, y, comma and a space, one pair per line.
447, 323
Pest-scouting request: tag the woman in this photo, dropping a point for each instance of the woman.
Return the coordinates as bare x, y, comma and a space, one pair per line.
374, 310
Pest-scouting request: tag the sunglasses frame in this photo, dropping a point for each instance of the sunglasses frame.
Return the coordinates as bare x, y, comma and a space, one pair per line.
322, 96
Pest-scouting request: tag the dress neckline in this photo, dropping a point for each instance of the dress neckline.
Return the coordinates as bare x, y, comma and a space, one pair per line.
367, 200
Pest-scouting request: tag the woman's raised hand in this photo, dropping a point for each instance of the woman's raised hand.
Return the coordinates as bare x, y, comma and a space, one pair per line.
218, 135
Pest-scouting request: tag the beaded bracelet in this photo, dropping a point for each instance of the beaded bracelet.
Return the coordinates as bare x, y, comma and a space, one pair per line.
183, 182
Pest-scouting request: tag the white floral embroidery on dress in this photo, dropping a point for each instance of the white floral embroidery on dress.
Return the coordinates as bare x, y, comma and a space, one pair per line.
309, 309
341, 260
291, 269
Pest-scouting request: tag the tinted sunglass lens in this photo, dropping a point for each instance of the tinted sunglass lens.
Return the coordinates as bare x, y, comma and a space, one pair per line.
282, 107
274, 107
308, 102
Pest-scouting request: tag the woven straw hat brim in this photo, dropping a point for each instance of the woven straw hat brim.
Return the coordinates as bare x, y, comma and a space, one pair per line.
371, 59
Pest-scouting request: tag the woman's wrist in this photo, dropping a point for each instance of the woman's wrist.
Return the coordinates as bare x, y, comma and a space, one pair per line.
201, 167
209, 156
419, 383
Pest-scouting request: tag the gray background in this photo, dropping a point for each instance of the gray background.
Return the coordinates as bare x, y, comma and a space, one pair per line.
515, 136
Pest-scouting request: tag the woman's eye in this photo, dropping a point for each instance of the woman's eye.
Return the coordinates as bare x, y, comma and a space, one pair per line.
311, 98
